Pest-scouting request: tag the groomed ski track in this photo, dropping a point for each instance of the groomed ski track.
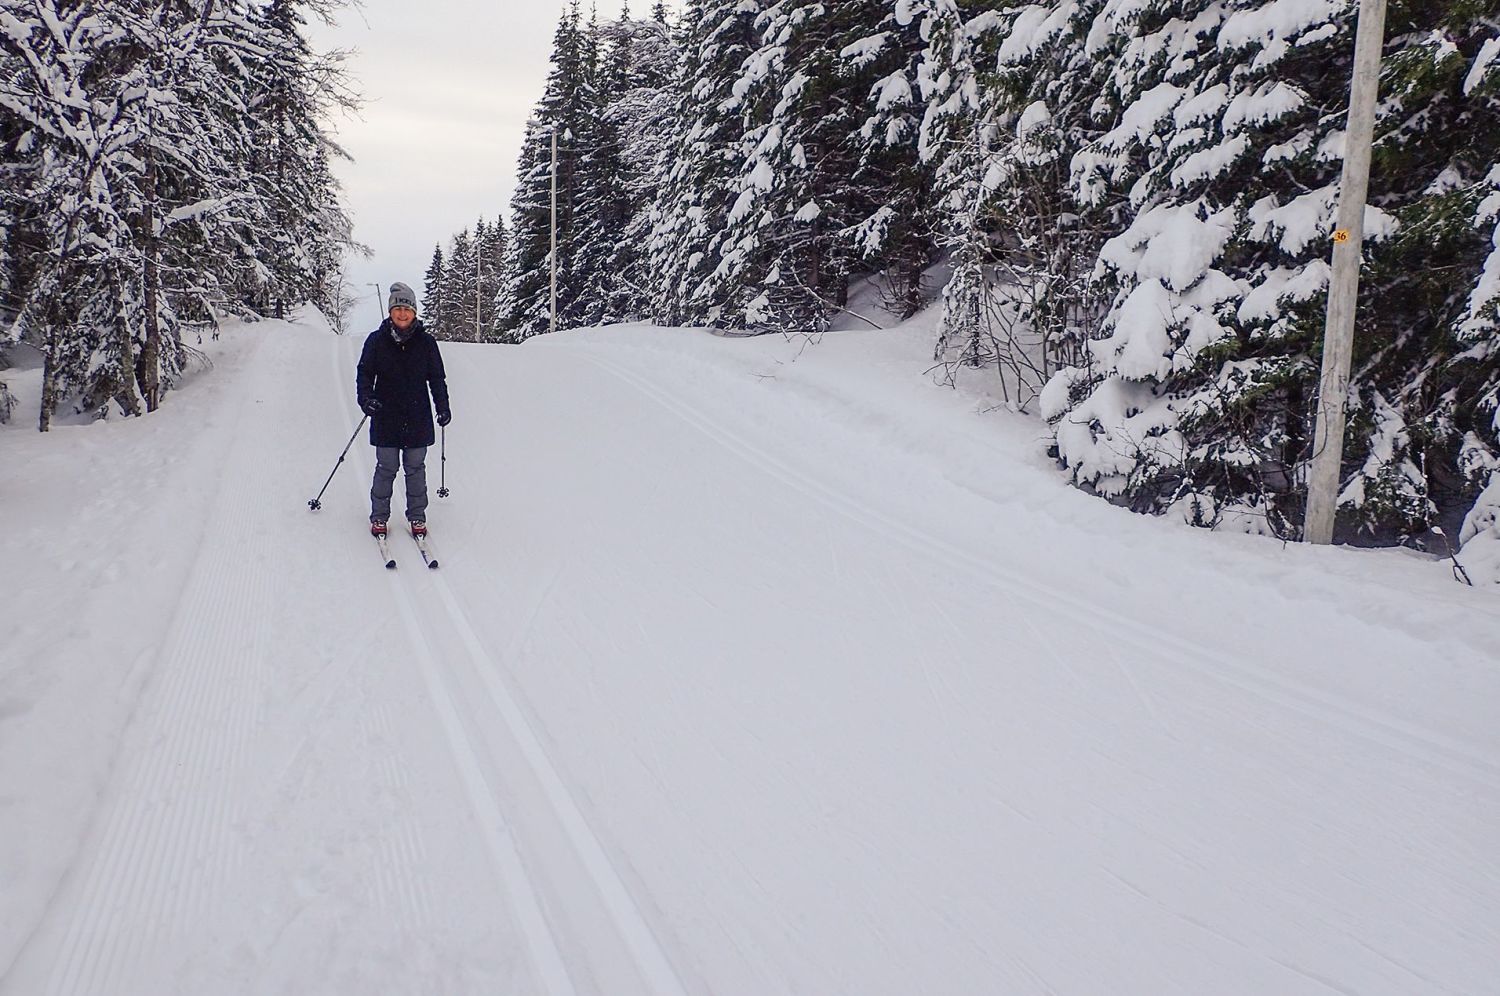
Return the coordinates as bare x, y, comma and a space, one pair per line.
167, 851
692, 707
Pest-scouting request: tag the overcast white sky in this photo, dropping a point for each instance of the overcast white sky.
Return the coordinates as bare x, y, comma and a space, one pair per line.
449, 85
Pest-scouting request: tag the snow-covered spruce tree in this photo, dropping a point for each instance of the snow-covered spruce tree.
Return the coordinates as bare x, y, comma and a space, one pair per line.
1196, 392
597, 194
562, 112
689, 215
615, 43
473, 302
606, 101
434, 285
459, 289
897, 212
788, 261
492, 277
470, 284
1221, 159
638, 110
1420, 385
466, 286
1479, 332
957, 140
293, 88
1008, 94
8, 267
10, 254
523, 307
616, 157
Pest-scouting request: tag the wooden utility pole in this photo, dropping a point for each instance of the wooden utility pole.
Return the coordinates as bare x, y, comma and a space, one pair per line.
1343, 291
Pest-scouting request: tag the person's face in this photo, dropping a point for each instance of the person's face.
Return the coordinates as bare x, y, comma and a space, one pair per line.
402, 317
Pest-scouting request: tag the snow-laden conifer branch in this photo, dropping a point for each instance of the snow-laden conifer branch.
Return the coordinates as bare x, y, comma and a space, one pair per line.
148, 193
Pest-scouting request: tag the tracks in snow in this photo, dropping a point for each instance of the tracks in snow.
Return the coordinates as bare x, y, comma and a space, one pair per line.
488, 812
501, 762
166, 847
169, 841
174, 851
1388, 732
468, 724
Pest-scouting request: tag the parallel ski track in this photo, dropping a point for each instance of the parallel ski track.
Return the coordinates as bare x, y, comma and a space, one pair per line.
1442, 752
524, 898
167, 847
650, 958
525, 903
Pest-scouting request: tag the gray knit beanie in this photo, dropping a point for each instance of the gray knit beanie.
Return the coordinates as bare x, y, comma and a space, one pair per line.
401, 297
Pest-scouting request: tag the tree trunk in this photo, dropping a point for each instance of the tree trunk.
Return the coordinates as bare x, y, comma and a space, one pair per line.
151, 278
54, 319
911, 294
126, 373
49, 383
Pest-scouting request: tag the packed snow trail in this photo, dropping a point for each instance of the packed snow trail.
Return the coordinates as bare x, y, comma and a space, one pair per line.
740, 676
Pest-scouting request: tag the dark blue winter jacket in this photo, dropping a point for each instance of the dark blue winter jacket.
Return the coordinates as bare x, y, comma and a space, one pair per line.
399, 374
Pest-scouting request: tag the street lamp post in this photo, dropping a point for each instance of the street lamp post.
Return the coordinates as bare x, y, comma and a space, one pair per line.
377, 300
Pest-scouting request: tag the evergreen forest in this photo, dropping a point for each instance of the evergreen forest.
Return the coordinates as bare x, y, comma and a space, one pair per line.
1123, 209
163, 162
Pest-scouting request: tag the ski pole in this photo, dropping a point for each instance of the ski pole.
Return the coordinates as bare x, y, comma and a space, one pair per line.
443, 465
317, 503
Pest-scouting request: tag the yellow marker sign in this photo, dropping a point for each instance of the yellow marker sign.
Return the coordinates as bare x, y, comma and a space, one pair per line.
1341, 236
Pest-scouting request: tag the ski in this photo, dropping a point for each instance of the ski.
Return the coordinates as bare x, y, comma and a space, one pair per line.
385, 553
427, 556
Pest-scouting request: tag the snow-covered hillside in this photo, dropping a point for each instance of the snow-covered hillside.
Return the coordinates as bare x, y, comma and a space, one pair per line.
751, 668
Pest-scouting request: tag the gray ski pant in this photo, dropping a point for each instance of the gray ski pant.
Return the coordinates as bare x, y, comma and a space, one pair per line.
389, 459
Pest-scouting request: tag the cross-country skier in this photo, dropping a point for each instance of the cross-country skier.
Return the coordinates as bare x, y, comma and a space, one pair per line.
399, 366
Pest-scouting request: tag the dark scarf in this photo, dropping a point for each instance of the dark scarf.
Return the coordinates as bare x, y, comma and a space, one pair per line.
402, 338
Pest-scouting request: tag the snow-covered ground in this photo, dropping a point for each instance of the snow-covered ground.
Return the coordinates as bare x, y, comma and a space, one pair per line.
751, 668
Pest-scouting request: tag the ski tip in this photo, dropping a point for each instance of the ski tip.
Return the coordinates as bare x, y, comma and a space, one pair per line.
432, 565
390, 565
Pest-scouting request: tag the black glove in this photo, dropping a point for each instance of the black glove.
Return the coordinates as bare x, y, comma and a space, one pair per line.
371, 406
444, 417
